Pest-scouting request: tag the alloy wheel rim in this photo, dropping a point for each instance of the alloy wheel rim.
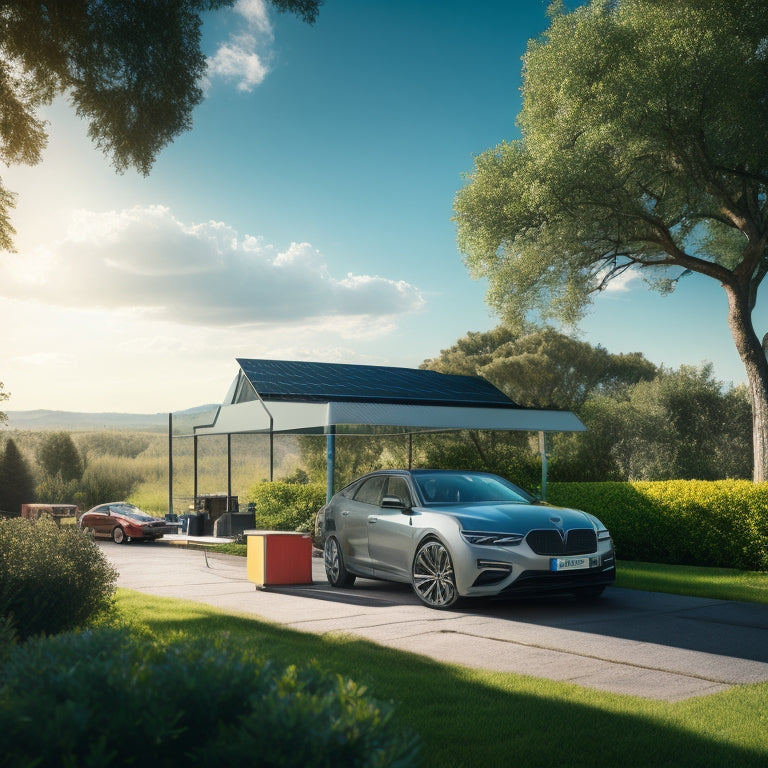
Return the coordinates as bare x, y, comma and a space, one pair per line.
332, 559
433, 577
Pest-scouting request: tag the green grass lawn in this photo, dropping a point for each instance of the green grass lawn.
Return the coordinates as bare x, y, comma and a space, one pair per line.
716, 583
467, 717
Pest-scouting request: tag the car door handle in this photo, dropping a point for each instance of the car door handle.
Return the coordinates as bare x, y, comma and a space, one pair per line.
372, 519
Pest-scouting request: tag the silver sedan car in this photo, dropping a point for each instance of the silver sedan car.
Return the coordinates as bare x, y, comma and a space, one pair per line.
454, 534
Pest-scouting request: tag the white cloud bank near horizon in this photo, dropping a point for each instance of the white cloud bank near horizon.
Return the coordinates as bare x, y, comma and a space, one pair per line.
145, 259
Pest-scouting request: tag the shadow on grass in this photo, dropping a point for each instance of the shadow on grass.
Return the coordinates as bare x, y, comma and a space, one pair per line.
468, 718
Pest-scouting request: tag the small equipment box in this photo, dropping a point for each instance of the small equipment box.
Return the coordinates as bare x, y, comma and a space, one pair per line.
279, 557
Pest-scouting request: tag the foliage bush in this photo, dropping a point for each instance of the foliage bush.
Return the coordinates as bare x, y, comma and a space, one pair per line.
107, 479
7, 637
54, 489
721, 523
507, 454
287, 506
52, 579
66, 700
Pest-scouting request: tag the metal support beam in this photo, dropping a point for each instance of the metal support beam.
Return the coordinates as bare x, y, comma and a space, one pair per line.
544, 469
229, 470
330, 458
170, 463
194, 464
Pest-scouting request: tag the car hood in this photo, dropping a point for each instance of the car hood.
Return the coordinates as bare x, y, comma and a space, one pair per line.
516, 518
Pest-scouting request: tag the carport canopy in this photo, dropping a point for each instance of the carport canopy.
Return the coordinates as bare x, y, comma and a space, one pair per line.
280, 396
287, 396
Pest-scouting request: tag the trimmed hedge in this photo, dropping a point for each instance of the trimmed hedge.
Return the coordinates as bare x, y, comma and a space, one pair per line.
52, 578
287, 506
720, 523
109, 698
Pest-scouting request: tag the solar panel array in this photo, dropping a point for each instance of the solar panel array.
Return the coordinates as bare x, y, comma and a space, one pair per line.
298, 381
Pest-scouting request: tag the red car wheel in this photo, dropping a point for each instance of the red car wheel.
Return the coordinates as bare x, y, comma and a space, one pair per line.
118, 535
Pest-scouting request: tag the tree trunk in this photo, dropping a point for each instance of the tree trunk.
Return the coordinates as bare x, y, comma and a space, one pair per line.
753, 356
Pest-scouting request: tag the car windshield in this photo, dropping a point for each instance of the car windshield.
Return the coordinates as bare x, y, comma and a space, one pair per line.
465, 487
128, 510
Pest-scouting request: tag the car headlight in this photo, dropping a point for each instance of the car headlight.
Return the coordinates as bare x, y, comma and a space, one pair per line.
484, 538
603, 535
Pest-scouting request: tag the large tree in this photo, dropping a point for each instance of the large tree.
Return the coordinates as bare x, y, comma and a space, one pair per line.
131, 68
644, 147
17, 486
58, 455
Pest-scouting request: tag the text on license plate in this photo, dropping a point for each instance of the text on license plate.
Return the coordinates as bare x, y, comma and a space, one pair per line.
571, 563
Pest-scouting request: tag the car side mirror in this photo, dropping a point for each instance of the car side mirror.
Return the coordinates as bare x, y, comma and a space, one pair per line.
395, 502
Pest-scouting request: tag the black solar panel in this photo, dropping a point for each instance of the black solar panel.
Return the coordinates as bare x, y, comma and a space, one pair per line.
298, 381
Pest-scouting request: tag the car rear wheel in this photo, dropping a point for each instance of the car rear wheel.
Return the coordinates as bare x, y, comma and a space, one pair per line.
118, 535
434, 581
338, 575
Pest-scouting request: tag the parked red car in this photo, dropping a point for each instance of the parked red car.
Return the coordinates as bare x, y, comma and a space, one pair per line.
122, 522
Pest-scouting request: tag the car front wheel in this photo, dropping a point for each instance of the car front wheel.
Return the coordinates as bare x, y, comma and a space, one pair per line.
432, 576
338, 575
118, 535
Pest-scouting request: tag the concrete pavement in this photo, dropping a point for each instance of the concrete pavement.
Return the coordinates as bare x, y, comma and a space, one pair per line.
643, 644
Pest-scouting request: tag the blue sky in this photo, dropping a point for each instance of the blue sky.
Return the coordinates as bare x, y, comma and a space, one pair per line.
307, 215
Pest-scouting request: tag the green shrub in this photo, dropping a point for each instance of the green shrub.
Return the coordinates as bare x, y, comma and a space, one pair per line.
720, 523
54, 489
106, 698
7, 637
107, 479
287, 506
52, 579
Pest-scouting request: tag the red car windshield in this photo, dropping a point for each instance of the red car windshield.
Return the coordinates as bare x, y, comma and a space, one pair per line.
128, 510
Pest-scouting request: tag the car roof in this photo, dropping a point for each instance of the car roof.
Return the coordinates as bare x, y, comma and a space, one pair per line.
415, 472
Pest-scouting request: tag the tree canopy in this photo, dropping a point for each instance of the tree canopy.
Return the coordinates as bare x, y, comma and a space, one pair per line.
58, 455
542, 368
3, 396
131, 68
643, 148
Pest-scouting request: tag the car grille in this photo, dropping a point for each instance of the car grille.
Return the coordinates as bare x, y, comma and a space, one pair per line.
578, 541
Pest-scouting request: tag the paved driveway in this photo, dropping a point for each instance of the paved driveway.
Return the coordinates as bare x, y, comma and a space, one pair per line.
639, 643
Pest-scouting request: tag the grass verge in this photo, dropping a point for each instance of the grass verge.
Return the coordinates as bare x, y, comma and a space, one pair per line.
469, 717
715, 583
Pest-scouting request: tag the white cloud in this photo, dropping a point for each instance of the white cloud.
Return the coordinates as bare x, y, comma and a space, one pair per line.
624, 282
243, 57
144, 259
255, 13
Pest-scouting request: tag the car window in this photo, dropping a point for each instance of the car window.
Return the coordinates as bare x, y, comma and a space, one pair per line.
397, 486
349, 491
370, 490
128, 510
461, 488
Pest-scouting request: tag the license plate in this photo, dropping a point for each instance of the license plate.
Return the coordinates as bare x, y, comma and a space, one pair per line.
570, 563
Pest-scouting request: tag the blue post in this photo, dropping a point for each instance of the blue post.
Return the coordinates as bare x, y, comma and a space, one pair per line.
330, 459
